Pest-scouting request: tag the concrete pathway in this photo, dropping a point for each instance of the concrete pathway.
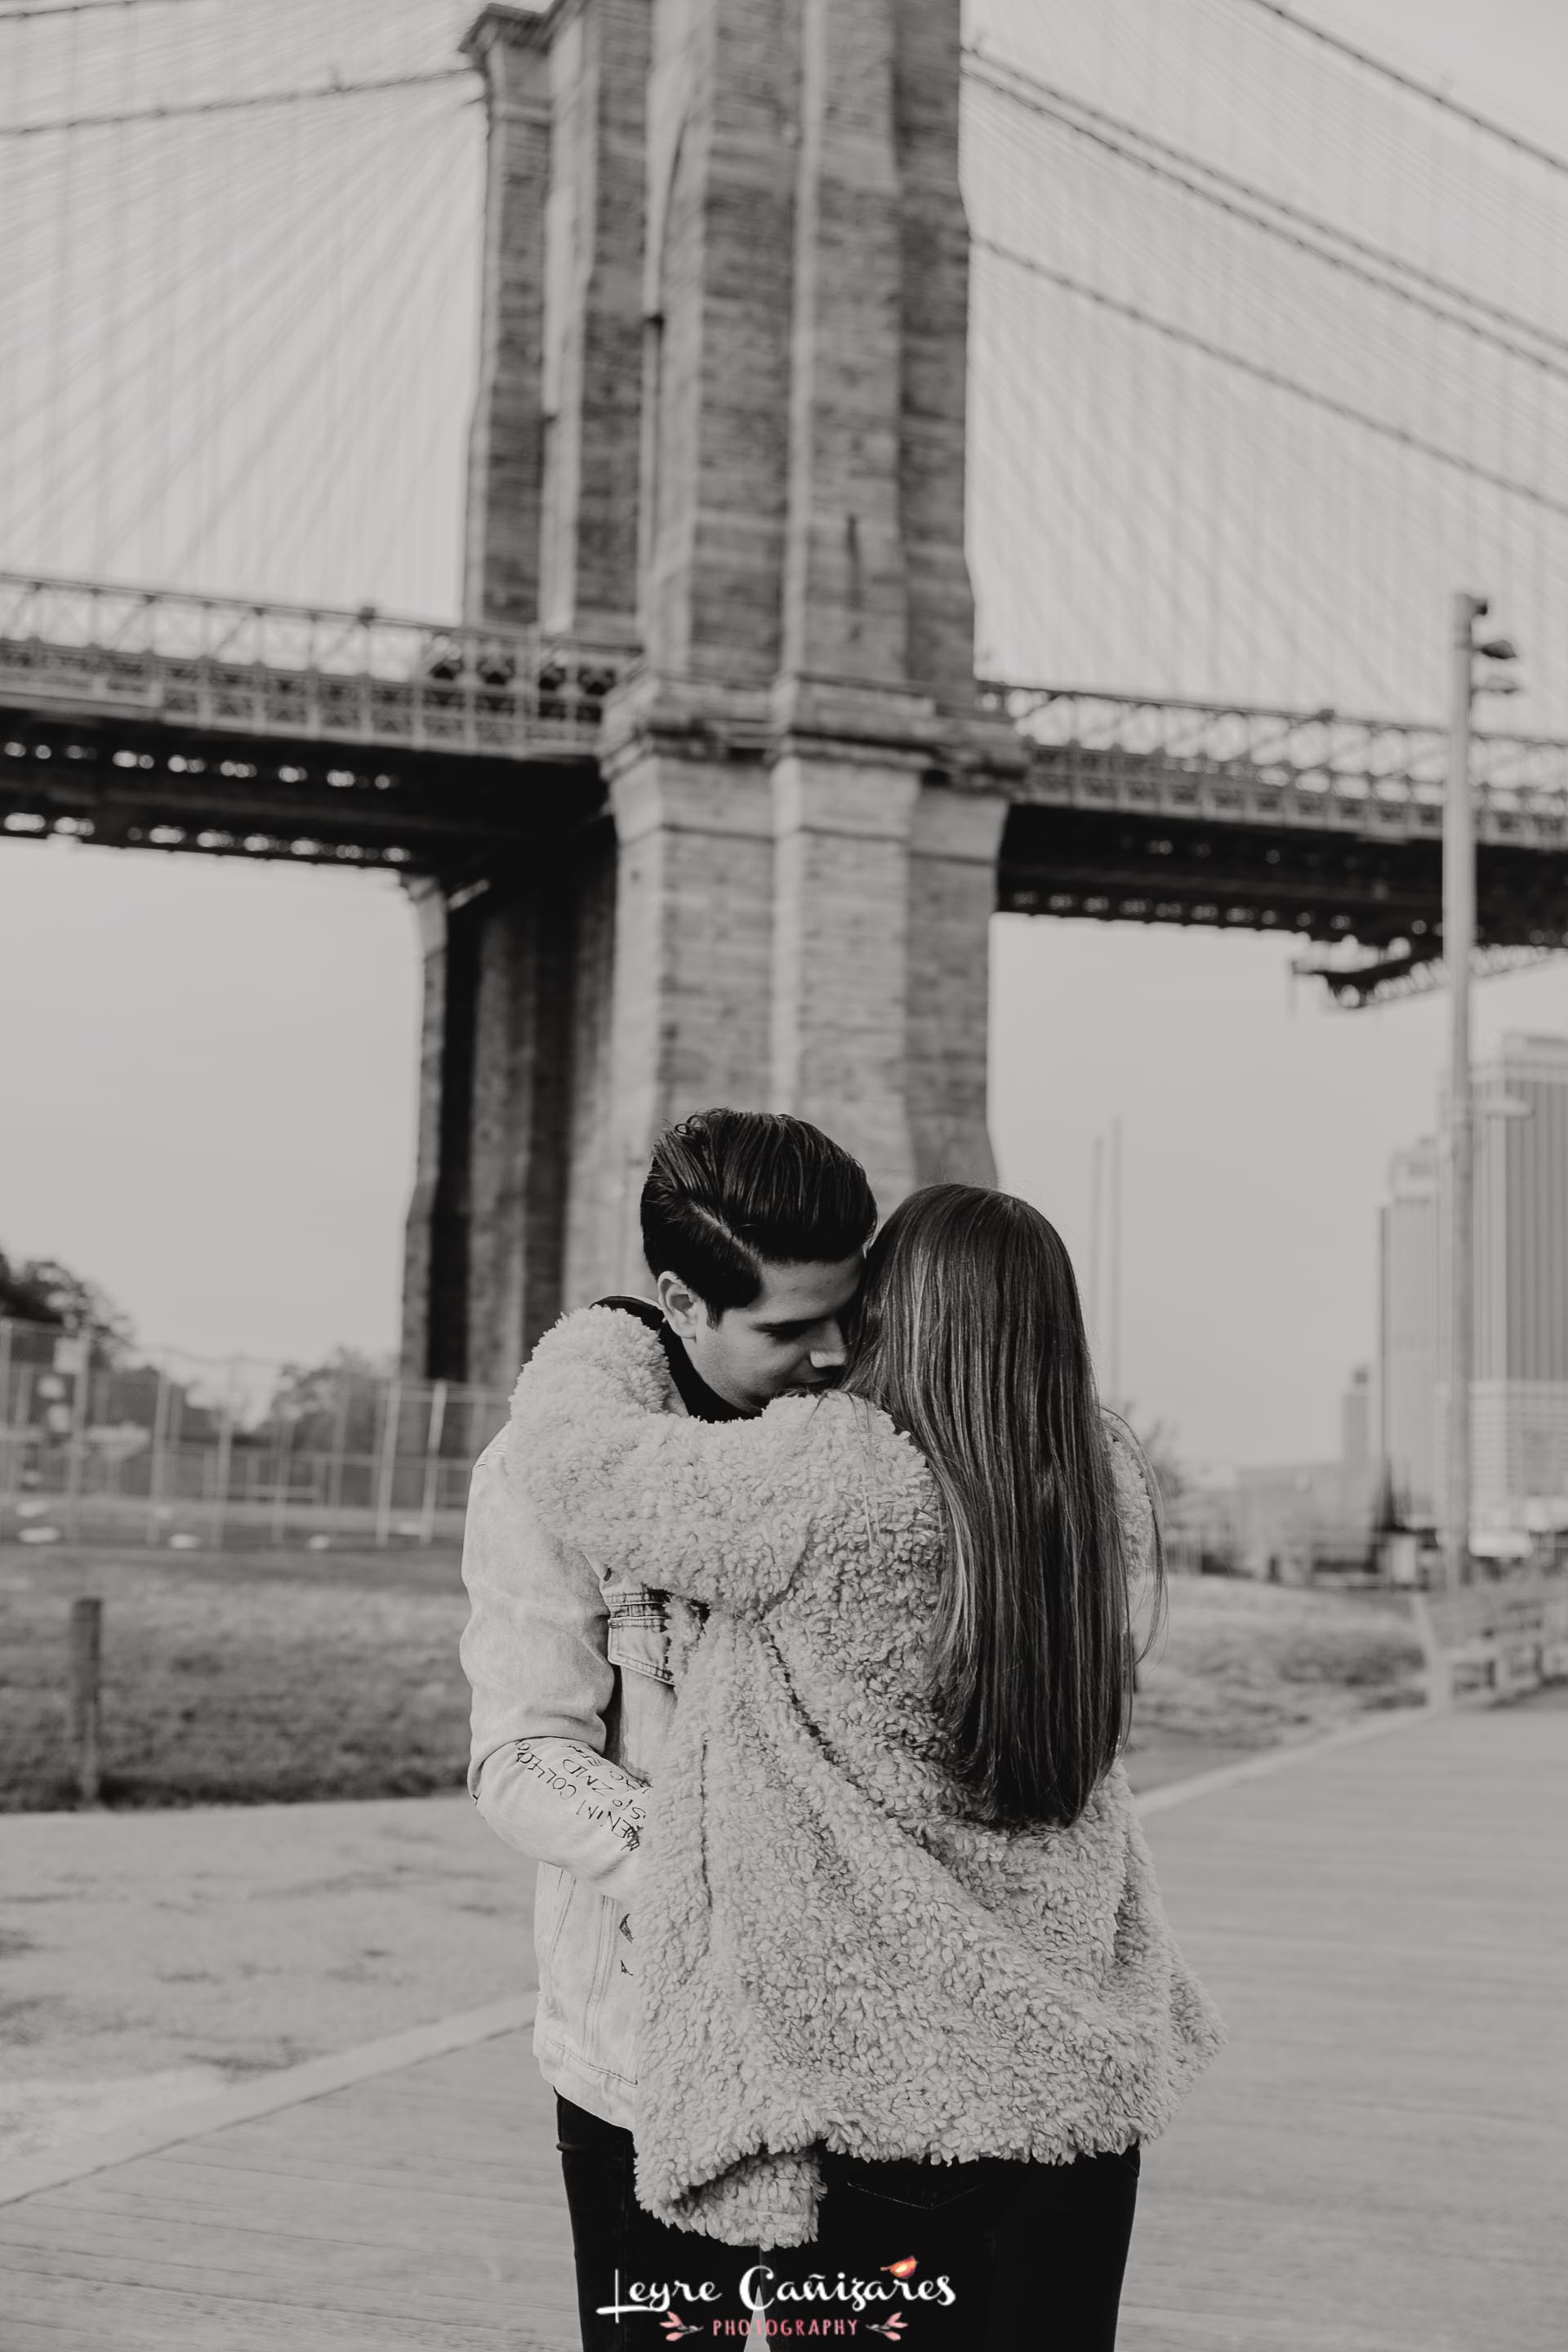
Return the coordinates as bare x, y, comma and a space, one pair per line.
1379, 2163
148, 1959
127, 1936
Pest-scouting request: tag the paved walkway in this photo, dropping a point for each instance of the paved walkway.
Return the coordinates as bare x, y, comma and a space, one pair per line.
149, 1957
1379, 2163
125, 1935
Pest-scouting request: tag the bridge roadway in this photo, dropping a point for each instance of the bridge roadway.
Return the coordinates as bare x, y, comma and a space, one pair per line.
1377, 2163
147, 720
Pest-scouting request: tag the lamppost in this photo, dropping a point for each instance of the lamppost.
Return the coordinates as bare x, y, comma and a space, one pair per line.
1458, 948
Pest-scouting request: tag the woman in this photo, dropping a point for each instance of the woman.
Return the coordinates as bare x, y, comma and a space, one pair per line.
899, 1929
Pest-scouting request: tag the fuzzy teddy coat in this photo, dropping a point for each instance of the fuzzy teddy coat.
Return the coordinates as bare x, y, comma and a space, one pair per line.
833, 1951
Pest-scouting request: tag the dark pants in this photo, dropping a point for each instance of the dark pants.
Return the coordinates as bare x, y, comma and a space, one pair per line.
1033, 2253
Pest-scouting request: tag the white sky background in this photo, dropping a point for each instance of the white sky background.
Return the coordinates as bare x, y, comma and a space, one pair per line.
209, 1069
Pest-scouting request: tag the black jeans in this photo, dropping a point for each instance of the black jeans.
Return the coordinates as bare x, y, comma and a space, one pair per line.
1031, 2253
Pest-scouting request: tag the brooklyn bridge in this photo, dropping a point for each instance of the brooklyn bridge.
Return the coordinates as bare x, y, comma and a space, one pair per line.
705, 789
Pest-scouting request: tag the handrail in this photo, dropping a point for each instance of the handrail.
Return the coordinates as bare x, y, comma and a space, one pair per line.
300, 671
1392, 762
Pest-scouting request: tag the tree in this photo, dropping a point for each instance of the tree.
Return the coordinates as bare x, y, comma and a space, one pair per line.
41, 1290
1158, 1439
332, 1403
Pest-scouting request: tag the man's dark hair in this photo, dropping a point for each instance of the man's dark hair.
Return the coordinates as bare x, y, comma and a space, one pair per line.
730, 1190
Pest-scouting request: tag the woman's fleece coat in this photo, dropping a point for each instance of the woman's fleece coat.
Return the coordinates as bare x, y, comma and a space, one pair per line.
832, 1951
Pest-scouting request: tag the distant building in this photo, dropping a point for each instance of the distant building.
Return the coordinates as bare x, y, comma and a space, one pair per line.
1203, 1531
1519, 1372
1522, 1281
1294, 1518
1409, 1249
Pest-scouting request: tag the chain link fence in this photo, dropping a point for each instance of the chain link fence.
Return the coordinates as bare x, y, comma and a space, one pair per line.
186, 1452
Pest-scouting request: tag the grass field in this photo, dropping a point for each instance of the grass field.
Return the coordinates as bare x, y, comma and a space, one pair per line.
238, 1680
256, 1678
1252, 1663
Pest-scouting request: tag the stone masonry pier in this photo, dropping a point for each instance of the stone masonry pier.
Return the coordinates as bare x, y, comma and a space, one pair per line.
720, 426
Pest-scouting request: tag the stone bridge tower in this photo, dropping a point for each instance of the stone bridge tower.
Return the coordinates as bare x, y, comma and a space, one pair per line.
720, 420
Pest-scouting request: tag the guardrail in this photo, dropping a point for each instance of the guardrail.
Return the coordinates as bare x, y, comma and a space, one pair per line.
1255, 762
300, 671
1494, 1640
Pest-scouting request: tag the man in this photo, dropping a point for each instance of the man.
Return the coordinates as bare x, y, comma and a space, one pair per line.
754, 1227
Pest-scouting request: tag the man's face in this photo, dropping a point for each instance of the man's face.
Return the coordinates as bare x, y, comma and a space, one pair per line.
790, 1337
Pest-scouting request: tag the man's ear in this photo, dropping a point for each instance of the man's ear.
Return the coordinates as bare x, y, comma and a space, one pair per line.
683, 1311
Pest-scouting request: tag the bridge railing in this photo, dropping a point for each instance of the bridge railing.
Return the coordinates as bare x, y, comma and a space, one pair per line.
298, 670
1093, 744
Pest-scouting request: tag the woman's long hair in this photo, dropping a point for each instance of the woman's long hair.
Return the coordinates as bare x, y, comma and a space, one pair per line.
970, 1335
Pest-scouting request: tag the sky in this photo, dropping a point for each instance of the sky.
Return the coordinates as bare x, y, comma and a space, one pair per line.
208, 1069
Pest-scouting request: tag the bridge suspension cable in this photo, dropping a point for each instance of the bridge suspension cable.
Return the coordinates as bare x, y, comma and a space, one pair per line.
1262, 352
244, 105
27, 15
239, 341
1431, 93
1258, 207
1275, 379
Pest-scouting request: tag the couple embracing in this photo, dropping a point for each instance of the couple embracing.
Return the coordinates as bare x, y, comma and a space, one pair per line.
801, 1645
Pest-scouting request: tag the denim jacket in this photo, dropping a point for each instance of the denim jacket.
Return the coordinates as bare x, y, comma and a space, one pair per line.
571, 1699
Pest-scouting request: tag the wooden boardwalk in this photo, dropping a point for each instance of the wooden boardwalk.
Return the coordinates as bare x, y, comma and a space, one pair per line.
417, 2211
1379, 2163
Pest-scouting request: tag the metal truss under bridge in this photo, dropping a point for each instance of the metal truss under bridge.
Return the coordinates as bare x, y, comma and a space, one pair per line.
1153, 809
149, 718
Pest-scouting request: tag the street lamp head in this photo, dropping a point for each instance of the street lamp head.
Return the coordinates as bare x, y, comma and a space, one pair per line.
1498, 649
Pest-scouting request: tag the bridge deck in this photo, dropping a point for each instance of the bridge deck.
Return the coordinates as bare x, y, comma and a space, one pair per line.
142, 719
1378, 2163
